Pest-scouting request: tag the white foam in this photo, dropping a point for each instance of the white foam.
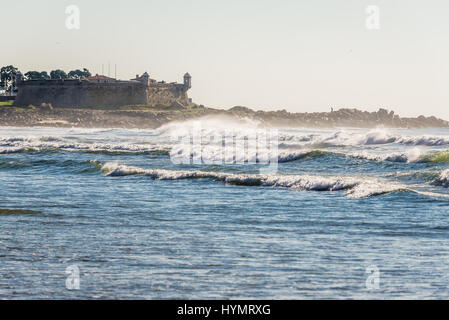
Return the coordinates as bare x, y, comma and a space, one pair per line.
49, 142
11, 150
355, 138
238, 154
287, 156
374, 188
411, 156
443, 178
356, 187
209, 125
115, 170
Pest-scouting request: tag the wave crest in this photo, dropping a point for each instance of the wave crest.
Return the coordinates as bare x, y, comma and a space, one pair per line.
443, 179
373, 137
356, 187
46, 144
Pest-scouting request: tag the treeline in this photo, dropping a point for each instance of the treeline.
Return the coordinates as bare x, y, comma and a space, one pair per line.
9, 73
57, 74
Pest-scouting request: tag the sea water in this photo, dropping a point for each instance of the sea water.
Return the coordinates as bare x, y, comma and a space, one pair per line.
107, 213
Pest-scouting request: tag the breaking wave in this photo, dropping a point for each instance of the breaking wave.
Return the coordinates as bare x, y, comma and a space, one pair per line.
77, 166
217, 155
294, 156
412, 156
210, 154
428, 177
54, 144
443, 179
355, 187
373, 137
219, 126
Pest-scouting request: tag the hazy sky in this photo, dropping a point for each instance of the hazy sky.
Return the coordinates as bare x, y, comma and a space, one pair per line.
298, 55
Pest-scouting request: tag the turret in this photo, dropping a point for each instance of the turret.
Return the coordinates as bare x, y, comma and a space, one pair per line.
18, 78
187, 80
146, 79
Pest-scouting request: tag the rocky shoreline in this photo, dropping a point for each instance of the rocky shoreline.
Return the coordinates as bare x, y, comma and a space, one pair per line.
145, 117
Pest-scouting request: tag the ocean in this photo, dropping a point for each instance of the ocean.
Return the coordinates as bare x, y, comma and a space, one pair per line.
342, 213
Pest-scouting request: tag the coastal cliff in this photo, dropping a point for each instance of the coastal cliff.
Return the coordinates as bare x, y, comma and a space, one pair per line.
141, 116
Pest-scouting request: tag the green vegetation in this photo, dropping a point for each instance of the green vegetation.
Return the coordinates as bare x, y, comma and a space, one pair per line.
7, 103
159, 109
143, 107
7, 76
36, 75
9, 73
74, 74
78, 74
58, 74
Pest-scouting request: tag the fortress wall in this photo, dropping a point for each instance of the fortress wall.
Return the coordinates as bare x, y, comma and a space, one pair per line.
80, 94
7, 98
167, 95
76, 94
116, 95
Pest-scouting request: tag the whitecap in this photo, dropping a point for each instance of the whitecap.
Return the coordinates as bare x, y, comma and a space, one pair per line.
355, 187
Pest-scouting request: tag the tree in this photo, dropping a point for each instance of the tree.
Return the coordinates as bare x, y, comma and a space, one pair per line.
58, 74
7, 75
44, 75
78, 74
33, 75
36, 75
87, 73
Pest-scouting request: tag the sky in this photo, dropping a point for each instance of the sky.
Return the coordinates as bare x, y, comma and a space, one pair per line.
302, 56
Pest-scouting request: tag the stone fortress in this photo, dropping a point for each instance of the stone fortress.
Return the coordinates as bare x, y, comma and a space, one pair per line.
101, 91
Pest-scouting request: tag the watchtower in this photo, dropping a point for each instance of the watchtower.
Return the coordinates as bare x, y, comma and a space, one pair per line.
187, 80
146, 79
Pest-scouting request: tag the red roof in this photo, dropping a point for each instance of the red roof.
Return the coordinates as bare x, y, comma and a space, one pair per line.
98, 77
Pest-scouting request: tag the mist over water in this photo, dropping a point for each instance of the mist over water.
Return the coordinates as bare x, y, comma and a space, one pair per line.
139, 225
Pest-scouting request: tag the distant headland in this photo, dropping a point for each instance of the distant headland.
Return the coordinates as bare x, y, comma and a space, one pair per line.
151, 117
